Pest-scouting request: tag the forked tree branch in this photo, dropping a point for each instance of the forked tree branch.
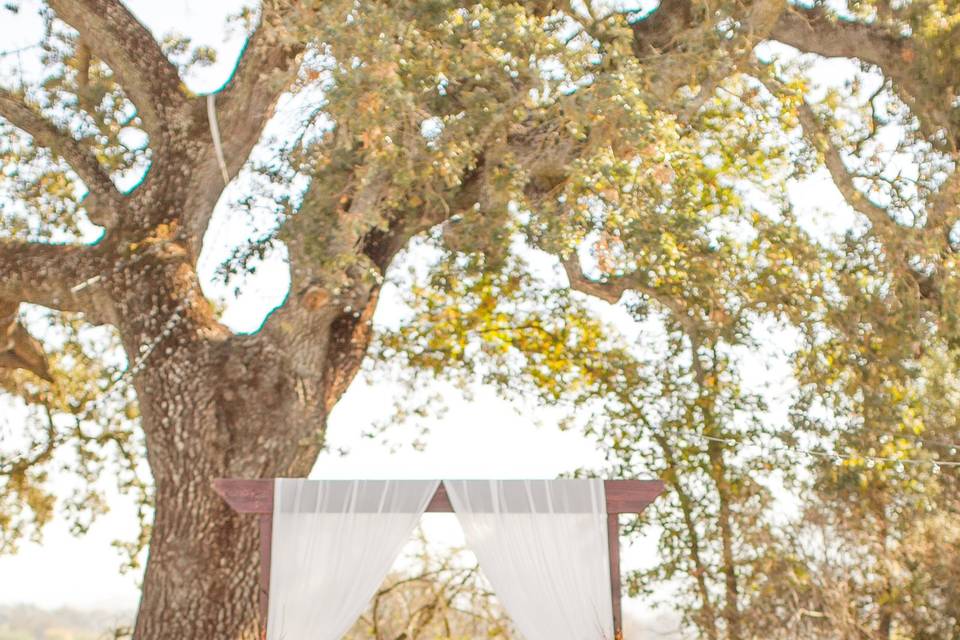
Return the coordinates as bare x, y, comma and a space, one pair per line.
324, 328
817, 31
819, 137
879, 217
134, 56
104, 200
613, 288
267, 67
678, 42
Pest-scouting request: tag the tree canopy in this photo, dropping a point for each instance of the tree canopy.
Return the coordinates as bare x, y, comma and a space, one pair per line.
608, 207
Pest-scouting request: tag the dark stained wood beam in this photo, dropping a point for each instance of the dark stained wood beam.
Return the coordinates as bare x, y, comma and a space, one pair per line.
266, 540
613, 549
256, 496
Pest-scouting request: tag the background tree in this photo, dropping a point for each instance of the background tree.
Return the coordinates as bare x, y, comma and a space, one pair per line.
647, 152
439, 594
872, 411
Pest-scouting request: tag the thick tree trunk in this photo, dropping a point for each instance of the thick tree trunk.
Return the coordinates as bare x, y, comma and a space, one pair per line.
217, 405
203, 566
202, 575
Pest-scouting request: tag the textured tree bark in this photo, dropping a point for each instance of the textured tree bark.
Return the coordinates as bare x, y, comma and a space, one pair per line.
201, 579
217, 409
214, 405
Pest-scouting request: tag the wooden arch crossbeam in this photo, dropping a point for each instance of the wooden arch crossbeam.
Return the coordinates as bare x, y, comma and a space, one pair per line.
623, 496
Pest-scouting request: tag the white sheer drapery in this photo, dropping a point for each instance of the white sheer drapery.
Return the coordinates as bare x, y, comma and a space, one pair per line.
543, 546
333, 544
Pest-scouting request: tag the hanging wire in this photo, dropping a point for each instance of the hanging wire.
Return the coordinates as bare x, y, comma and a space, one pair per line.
19, 50
935, 463
145, 351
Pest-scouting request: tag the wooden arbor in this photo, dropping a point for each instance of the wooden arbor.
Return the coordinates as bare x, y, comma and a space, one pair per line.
623, 496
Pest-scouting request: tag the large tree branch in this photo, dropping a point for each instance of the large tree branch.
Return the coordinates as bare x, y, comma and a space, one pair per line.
49, 275
18, 349
54, 276
104, 200
324, 325
819, 137
134, 56
816, 31
686, 51
898, 242
267, 67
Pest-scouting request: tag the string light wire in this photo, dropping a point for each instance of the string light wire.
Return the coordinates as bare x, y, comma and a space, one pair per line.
935, 463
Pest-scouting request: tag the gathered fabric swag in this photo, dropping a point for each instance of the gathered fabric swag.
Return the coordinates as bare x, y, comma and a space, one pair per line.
333, 544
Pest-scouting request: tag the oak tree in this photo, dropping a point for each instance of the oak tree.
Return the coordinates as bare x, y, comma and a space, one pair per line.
628, 144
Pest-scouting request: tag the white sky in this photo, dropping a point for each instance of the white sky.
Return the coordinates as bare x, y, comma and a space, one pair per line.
485, 437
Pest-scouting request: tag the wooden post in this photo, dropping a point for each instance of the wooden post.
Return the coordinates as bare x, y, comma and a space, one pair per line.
266, 538
613, 543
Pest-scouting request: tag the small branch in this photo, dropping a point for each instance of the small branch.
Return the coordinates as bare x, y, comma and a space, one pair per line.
757, 25
878, 216
661, 29
18, 349
819, 137
84, 60
13, 466
942, 210
130, 50
104, 199
668, 34
609, 290
612, 289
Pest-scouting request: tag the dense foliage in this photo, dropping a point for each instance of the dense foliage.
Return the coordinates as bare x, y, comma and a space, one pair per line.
724, 235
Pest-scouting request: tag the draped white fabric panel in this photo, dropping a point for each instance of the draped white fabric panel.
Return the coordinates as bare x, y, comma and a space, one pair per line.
543, 546
334, 542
